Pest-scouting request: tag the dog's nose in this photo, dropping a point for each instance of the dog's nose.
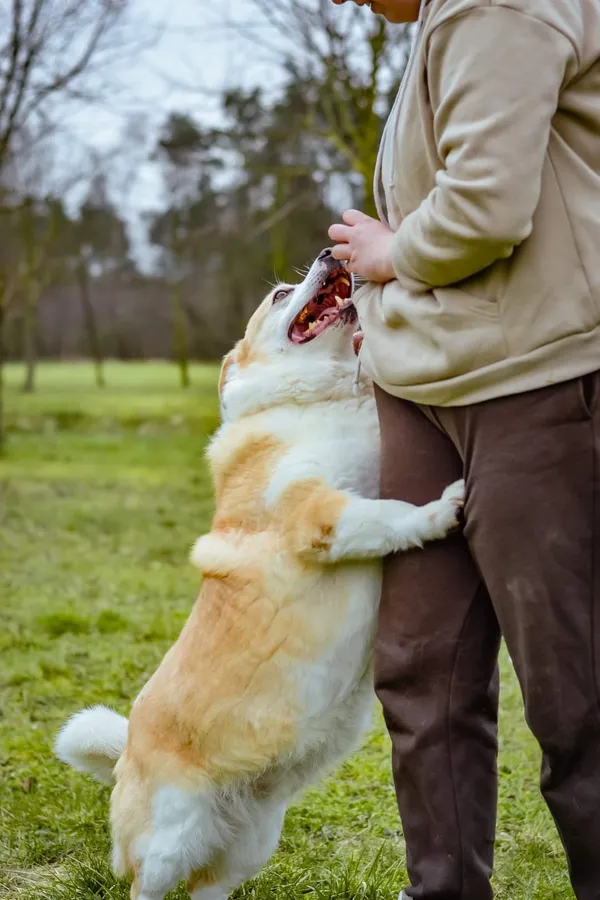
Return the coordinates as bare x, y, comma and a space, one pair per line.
325, 254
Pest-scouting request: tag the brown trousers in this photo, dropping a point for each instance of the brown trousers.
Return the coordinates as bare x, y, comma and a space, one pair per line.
526, 567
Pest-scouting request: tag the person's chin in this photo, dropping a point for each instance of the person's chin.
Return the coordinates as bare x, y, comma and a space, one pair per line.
388, 15
392, 19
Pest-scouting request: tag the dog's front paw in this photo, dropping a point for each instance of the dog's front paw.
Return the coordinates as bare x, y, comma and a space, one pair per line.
444, 515
455, 494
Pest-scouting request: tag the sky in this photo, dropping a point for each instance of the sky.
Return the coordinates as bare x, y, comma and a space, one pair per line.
191, 52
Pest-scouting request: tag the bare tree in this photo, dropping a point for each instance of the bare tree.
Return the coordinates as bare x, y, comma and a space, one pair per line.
31, 183
50, 48
37, 179
51, 52
9, 279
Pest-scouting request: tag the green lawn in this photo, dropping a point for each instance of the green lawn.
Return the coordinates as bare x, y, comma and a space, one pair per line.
101, 495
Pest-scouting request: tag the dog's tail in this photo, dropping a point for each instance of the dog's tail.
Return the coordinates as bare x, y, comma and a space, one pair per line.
92, 741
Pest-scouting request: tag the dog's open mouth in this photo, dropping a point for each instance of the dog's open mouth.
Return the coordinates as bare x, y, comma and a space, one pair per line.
331, 305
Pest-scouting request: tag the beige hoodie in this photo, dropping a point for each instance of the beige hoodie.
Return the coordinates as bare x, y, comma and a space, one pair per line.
490, 169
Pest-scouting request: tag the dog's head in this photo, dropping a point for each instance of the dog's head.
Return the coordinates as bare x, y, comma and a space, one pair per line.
298, 332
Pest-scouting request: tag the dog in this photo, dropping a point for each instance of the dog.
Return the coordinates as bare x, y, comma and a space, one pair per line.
270, 681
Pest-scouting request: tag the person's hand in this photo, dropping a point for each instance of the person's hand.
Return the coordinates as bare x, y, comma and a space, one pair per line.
365, 244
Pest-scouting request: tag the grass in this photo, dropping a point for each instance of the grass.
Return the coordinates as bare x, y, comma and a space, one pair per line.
101, 495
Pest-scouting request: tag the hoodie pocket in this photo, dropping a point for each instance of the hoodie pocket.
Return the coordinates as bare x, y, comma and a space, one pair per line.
424, 338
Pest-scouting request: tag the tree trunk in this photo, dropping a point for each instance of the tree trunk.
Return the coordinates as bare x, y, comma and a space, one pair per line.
30, 349
2, 424
91, 326
278, 242
180, 335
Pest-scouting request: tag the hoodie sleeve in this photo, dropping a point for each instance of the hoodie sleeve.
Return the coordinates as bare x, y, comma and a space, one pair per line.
494, 76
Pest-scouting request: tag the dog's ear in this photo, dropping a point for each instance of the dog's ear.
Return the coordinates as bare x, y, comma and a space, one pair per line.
228, 361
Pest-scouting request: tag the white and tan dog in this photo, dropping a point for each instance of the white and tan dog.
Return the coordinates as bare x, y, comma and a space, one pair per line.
270, 680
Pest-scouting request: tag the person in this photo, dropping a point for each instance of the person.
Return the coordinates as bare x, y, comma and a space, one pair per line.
481, 325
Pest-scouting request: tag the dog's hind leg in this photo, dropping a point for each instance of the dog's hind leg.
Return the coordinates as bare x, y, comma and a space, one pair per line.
252, 845
187, 832
214, 892
135, 895
257, 840
136, 892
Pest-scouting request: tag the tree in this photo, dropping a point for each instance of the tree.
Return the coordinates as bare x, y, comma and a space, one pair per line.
9, 276
185, 152
50, 51
42, 226
349, 65
30, 221
287, 173
222, 239
100, 248
48, 246
47, 49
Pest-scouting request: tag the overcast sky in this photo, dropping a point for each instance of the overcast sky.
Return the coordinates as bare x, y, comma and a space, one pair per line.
192, 53
188, 50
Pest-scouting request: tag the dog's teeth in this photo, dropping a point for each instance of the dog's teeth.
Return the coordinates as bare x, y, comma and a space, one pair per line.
344, 280
339, 301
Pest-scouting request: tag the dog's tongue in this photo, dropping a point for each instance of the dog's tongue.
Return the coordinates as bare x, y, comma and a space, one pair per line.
357, 339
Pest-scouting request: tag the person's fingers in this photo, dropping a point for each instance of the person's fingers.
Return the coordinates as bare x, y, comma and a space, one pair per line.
354, 216
339, 232
341, 251
355, 268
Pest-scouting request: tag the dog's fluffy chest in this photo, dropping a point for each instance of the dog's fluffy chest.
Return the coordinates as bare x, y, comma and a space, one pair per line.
337, 443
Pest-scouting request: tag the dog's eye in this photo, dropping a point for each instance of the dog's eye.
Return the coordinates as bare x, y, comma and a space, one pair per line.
282, 294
